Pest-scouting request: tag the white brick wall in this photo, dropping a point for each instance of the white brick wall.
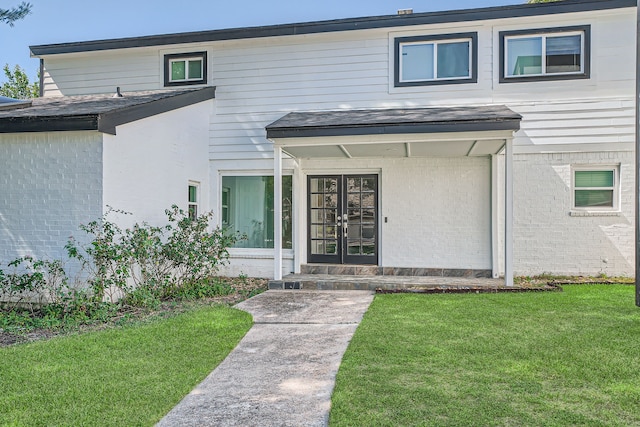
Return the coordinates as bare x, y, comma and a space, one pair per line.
50, 183
548, 239
439, 213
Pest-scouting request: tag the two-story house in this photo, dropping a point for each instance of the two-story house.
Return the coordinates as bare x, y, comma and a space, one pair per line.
484, 142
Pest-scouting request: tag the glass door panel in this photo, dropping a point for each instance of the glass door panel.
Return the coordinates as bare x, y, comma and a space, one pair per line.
343, 219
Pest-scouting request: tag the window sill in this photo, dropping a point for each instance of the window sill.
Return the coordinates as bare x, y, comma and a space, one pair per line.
257, 253
595, 213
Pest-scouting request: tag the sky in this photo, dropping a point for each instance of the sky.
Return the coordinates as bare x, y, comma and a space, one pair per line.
62, 21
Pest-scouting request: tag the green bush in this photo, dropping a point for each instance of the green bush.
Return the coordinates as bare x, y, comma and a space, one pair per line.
139, 267
146, 263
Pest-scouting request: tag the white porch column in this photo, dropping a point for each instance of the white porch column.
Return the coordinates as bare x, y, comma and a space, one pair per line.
277, 213
508, 213
495, 215
298, 214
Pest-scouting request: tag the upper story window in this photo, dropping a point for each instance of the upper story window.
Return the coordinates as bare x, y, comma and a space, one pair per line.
431, 60
185, 69
546, 54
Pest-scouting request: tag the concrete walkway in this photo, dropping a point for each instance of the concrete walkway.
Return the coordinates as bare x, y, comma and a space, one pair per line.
283, 371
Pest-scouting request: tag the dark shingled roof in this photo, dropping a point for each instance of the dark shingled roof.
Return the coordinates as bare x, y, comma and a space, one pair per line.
394, 121
101, 112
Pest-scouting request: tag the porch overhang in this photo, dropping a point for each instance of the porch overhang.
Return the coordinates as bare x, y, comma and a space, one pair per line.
404, 132
473, 131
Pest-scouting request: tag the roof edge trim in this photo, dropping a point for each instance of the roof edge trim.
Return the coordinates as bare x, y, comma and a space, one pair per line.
396, 129
337, 25
107, 122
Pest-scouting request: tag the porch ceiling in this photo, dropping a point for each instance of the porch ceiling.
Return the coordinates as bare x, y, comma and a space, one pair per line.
423, 132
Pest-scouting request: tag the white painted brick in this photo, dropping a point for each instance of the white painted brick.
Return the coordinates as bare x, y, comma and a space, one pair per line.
548, 239
50, 183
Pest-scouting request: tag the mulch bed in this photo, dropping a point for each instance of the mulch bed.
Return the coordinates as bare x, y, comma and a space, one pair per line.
470, 290
242, 286
522, 284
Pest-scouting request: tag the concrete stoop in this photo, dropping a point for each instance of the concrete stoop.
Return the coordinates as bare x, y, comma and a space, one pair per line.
384, 283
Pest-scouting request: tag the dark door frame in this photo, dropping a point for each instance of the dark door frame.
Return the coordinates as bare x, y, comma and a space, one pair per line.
341, 255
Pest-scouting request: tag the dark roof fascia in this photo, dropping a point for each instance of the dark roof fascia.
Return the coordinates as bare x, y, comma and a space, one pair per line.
349, 24
511, 124
49, 124
107, 122
104, 122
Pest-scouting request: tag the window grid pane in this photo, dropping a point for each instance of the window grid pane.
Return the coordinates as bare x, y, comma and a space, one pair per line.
453, 60
563, 54
594, 198
524, 56
178, 70
195, 69
417, 62
592, 179
435, 60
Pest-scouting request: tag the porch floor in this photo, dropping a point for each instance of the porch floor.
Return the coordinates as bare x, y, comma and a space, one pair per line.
389, 283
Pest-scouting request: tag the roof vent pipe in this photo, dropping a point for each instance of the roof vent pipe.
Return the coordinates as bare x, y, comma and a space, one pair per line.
405, 11
118, 94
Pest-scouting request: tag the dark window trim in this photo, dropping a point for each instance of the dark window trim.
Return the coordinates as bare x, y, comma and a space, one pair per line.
440, 37
167, 69
586, 74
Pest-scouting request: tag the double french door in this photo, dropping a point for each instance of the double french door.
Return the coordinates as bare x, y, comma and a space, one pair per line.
343, 219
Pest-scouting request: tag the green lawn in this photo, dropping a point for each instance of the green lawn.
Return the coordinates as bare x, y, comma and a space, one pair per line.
532, 359
129, 376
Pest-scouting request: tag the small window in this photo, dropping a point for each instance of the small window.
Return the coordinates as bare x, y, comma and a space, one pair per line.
185, 69
595, 188
226, 205
193, 201
436, 60
550, 54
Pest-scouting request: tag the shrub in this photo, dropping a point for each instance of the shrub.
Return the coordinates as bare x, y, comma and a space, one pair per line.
32, 282
147, 262
139, 267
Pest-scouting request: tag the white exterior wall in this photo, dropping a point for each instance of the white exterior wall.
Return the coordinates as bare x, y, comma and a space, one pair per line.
437, 210
50, 183
150, 163
260, 80
548, 239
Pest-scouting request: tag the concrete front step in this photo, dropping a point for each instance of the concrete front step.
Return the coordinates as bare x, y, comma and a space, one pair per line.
389, 283
374, 270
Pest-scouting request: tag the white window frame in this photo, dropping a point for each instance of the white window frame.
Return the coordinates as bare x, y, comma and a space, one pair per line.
188, 59
436, 40
256, 173
187, 62
616, 188
225, 218
585, 53
196, 203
